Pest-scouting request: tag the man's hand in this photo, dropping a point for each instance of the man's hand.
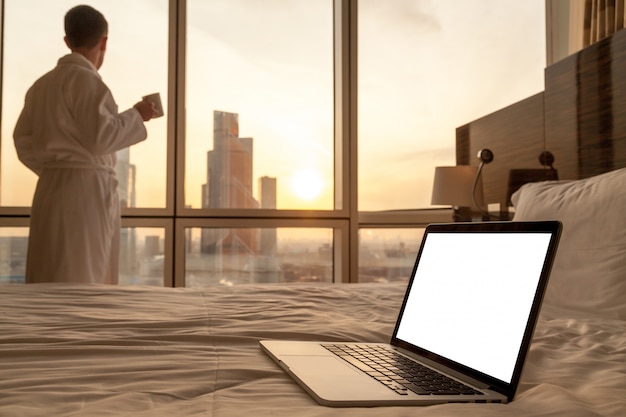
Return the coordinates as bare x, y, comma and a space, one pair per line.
146, 108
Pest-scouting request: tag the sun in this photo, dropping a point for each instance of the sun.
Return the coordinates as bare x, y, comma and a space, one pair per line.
307, 184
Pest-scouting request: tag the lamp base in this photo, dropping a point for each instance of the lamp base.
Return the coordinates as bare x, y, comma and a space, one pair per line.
467, 214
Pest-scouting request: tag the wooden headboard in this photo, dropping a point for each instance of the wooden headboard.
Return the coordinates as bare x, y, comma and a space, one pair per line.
580, 118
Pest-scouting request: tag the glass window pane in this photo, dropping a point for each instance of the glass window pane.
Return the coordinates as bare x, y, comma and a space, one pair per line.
388, 255
13, 248
142, 256
427, 67
135, 65
259, 111
268, 255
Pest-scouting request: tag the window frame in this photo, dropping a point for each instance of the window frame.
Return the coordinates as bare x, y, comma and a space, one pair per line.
344, 218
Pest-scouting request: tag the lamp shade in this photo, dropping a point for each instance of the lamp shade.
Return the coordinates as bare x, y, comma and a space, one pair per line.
453, 186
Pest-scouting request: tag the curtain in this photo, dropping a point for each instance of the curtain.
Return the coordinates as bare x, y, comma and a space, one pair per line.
602, 18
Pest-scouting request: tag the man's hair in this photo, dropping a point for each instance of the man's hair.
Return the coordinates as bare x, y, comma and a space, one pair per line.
84, 27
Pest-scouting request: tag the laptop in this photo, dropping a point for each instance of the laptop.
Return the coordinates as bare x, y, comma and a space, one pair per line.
463, 330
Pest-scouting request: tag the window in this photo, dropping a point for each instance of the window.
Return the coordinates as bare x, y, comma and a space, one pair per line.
13, 247
252, 175
229, 256
142, 260
388, 255
142, 256
426, 68
259, 105
135, 65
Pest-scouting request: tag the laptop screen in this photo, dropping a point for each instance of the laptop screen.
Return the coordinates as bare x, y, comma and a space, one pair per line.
471, 297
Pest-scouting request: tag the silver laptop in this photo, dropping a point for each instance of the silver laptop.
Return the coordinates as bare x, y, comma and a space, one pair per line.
463, 330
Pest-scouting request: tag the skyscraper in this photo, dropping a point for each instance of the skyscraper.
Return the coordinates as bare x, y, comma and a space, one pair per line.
229, 185
267, 191
126, 176
229, 165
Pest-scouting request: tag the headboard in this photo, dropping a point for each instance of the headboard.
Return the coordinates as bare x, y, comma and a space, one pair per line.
580, 118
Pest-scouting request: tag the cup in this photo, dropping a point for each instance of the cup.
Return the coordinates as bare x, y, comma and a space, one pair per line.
156, 100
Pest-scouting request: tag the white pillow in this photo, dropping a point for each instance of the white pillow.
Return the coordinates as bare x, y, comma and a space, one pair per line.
589, 272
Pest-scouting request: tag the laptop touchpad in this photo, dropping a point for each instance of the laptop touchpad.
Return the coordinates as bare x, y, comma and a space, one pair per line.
319, 365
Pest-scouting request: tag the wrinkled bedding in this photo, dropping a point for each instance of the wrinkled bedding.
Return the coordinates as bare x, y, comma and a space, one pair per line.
79, 350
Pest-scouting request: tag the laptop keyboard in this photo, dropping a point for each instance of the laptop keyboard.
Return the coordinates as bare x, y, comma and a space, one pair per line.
397, 372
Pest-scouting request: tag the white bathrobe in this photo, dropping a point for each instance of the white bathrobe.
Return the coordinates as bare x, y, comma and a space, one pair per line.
68, 133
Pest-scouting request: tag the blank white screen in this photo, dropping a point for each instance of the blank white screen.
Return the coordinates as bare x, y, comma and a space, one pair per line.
471, 297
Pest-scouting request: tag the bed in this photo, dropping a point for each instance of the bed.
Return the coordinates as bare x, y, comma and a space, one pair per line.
79, 350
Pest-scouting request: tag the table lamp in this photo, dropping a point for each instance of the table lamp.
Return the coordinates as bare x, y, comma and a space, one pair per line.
453, 186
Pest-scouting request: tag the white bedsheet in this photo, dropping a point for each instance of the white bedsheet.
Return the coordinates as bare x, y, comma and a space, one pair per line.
69, 350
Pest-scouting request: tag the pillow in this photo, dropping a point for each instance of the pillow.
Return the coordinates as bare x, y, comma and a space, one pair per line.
589, 271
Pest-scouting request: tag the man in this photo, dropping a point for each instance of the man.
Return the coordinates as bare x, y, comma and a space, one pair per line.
68, 133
